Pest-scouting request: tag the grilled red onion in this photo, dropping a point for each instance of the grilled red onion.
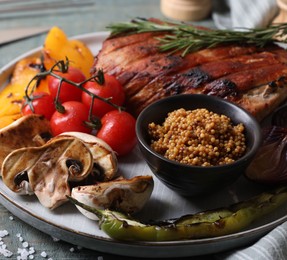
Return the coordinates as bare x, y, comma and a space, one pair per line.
270, 164
279, 117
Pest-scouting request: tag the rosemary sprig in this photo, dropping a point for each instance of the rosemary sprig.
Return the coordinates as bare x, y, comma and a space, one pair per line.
187, 38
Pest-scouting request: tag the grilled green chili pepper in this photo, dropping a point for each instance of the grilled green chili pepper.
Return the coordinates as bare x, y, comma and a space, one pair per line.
210, 223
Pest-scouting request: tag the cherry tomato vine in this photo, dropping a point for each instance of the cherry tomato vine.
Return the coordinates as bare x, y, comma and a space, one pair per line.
95, 109
63, 67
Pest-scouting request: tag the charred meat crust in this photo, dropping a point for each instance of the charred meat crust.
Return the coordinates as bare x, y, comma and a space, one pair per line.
229, 71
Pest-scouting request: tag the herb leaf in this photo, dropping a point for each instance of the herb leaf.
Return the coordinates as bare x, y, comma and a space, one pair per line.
187, 38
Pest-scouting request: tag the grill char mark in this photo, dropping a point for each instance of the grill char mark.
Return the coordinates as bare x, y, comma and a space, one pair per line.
222, 88
148, 75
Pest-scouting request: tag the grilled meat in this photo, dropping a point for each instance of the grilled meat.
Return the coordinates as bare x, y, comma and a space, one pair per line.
253, 77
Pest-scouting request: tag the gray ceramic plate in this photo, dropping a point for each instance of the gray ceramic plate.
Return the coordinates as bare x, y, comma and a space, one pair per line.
68, 224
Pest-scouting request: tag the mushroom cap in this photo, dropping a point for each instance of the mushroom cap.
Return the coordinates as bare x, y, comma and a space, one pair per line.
105, 160
26, 131
125, 195
48, 169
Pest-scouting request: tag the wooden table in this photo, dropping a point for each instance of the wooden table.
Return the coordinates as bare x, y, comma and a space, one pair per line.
74, 21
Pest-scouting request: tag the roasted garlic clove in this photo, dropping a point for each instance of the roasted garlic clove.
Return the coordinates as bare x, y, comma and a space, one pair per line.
47, 170
125, 195
105, 161
30, 130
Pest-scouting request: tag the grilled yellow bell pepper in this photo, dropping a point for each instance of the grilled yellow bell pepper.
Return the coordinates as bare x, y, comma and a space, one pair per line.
58, 47
11, 96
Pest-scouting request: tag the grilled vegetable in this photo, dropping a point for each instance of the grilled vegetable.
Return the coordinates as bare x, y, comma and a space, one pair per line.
269, 164
47, 170
12, 95
58, 47
27, 131
53, 169
105, 165
127, 196
213, 223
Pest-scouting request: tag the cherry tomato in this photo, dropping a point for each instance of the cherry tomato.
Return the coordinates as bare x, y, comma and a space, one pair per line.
73, 119
118, 130
68, 92
110, 89
43, 104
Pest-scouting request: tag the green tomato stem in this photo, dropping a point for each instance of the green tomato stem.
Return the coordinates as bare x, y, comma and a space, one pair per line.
63, 67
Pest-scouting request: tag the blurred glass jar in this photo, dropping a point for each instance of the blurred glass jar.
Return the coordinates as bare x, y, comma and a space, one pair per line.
282, 16
186, 10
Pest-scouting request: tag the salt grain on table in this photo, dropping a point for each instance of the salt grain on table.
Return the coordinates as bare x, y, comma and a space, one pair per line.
3, 248
25, 244
3, 233
55, 239
23, 254
5, 252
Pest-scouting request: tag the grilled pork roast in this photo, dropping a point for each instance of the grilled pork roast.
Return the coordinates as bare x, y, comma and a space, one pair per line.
250, 76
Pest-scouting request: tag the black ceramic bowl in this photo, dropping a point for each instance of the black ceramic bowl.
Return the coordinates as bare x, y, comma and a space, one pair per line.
190, 180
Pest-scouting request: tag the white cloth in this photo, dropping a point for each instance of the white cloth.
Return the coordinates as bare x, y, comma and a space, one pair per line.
235, 14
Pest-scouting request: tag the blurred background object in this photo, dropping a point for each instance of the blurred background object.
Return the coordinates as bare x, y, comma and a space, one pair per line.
226, 14
19, 8
282, 16
186, 10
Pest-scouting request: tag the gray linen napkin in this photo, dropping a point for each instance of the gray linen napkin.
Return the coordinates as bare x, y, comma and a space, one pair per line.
273, 246
234, 14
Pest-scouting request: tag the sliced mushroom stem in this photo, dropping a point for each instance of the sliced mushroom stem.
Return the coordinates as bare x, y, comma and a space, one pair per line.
19, 178
75, 167
105, 165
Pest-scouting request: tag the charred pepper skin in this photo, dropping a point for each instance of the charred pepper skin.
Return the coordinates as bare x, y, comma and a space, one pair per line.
212, 223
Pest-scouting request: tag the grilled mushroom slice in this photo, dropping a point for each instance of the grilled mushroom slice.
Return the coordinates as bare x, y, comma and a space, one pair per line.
105, 161
47, 170
126, 195
30, 130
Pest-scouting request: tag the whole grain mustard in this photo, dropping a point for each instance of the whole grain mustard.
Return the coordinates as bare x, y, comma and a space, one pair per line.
198, 137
